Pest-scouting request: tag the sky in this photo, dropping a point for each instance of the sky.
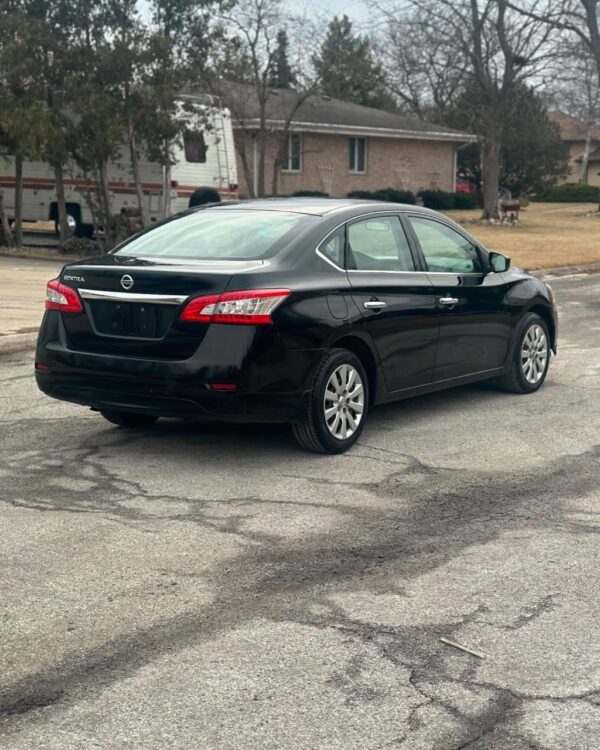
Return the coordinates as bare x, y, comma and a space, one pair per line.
356, 10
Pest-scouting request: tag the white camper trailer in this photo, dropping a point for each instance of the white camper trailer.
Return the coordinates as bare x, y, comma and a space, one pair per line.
206, 159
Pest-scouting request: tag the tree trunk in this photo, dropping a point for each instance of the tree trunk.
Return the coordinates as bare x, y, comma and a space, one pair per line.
241, 147
490, 172
18, 199
8, 238
135, 165
60, 202
166, 197
262, 145
585, 157
105, 206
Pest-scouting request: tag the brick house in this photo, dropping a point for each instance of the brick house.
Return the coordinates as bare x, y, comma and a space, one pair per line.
574, 133
336, 146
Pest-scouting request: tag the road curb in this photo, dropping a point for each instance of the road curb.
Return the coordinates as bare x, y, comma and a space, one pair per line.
17, 342
585, 268
40, 253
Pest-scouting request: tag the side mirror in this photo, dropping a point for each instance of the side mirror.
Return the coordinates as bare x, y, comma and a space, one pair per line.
499, 262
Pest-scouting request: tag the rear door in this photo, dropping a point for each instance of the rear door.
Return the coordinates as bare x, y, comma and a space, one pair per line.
396, 299
474, 321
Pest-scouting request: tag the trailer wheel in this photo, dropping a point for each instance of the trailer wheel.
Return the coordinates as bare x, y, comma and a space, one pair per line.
76, 226
71, 226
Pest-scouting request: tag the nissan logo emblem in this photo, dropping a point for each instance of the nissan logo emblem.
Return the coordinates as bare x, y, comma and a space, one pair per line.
126, 281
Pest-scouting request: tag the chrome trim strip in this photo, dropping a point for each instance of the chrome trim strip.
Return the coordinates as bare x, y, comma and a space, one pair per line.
150, 299
392, 212
241, 266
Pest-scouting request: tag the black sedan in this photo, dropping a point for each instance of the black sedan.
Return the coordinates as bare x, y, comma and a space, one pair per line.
291, 310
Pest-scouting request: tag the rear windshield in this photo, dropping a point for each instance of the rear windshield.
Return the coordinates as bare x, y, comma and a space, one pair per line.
218, 234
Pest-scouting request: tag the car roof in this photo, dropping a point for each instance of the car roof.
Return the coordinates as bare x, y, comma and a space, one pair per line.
318, 206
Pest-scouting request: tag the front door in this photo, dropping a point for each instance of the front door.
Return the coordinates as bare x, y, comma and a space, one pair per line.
398, 303
474, 322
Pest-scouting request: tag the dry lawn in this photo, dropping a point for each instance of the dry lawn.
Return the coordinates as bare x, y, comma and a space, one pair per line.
549, 235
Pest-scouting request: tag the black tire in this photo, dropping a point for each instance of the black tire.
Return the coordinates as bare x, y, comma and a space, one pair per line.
312, 432
202, 196
129, 419
514, 379
84, 230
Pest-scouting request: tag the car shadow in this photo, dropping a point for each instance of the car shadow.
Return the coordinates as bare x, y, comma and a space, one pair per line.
255, 437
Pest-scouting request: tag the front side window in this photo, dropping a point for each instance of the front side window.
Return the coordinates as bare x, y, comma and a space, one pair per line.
219, 234
294, 153
445, 249
194, 147
357, 154
379, 244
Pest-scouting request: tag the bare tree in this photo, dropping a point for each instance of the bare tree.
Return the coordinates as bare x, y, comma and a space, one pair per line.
255, 24
575, 90
423, 70
579, 19
249, 59
492, 49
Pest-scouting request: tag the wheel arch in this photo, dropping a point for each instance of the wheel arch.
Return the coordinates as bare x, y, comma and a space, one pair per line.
72, 208
546, 315
360, 348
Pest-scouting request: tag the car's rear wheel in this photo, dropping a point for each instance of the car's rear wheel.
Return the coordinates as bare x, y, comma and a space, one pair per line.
129, 419
337, 406
528, 360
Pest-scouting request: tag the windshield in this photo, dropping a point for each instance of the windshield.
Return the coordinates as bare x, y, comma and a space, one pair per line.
217, 234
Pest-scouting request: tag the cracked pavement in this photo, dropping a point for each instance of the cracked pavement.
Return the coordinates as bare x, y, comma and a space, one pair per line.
213, 587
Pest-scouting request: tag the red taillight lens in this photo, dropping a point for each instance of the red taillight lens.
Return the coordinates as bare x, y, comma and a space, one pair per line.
61, 297
252, 307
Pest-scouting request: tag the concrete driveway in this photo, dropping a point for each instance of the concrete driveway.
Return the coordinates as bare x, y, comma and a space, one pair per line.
23, 290
216, 588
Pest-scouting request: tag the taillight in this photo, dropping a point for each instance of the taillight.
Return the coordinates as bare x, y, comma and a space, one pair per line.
61, 297
252, 307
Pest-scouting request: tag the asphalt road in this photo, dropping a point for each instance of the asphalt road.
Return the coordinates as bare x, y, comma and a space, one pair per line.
216, 588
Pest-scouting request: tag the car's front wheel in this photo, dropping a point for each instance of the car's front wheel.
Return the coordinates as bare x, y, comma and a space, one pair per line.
528, 360
337, 405
129, 419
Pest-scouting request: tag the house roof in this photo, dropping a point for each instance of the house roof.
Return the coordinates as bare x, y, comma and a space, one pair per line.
323, 114
571, 128
593, 157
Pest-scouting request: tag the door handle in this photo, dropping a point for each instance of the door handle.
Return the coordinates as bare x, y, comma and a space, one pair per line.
374, 304
448, 300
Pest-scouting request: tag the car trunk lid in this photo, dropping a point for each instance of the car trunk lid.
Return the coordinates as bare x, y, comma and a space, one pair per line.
132, 305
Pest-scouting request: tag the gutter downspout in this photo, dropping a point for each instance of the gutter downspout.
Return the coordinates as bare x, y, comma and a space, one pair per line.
455, 169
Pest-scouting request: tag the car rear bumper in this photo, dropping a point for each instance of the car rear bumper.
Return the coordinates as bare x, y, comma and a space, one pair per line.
270, 381
178, 402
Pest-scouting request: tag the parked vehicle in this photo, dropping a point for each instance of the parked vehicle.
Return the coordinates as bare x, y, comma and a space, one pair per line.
206, 159
308, 311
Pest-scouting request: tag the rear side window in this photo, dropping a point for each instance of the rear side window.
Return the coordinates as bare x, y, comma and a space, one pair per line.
379, 244
219, 234
445, 249
333, 247
194, 147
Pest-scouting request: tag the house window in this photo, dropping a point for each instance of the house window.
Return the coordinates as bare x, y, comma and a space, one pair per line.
194, 147
358, 154
294, 153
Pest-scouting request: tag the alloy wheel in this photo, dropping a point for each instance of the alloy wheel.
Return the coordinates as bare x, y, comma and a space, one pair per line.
344, 402
534, 354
